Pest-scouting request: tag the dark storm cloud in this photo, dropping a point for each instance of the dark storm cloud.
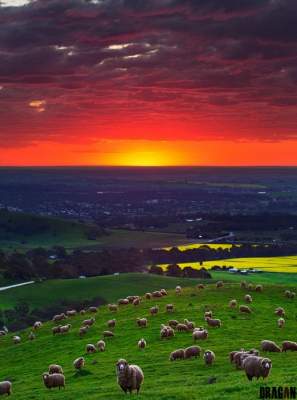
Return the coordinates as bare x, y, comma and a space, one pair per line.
91, 60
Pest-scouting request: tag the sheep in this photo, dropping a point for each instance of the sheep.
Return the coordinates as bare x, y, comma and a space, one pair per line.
293, 295
88, 322
248, 298
93, 309
177, 355
287, 293
192, 351
200, 286
56, 329
141, 322
90, 348
113, 307
287, 345
31, 336
219, 284
129, 377
55, 369
65, 328
169, 308
16, 339
164, 292
83, 330
178, 289
182, 327
101, 345
154, 310
59, 317
3, 333
108, 334
208, 314
241, 355
53, 380
122, 302
245, 309
233, 303
157, 293
5, 388
257, 367
37, 325
259, 288
136, 302
213, 322
79, 363
131, 298
148, 296
280, 322
141, 344
173, 323
280, 312
82, 312
166, 332
243, 285
190, 324
209, 357
200, 334
268, 345
71, 313
111, 323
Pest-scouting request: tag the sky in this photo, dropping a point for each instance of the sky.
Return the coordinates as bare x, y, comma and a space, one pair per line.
148, 82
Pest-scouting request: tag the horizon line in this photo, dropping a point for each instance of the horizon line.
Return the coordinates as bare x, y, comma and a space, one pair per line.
152, 166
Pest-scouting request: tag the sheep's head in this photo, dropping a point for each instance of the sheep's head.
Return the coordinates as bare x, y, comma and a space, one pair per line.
122, 365
266, 364
45, 376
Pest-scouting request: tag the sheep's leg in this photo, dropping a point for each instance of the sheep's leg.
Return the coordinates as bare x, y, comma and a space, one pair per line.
124, 388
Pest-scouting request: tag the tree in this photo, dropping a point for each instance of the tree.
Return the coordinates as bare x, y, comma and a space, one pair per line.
156, 270
174, 270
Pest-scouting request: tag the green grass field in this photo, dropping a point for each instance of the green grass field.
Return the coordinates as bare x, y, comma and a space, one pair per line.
181, 380
267, 264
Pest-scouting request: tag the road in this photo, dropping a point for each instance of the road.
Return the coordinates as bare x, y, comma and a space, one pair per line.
16, 285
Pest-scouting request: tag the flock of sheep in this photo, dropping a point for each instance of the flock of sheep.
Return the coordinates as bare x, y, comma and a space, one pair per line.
130, 377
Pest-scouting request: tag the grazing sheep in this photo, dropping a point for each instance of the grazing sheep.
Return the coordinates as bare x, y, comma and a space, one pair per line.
71, 313
157, 293
55, 369
166, 332
245, 309
6, 388
259, 288
173, 323
90, 348
79, 363
136, 302
53, 380
154, 310
93, 309
141, 344
280, 312
248, 298
111, 323
219, 284
280, 322
178, 290
56, 329
59, 317
37, 325
16, 339
241, 355
257, 367
129, 377
233, 303
31, 336
113, 307
148, 296
268, 345
192, 351
182, 327
164, 292
287, 345
209, 357
287, 293
141, 322
208, 314
200, 286
293, 295
88, 322
190, 324
200, 334
3, 333
108, 334
82, 312
65, 328
83, 330
177, 355
169, 308
101, 345
123, 302
243, 284
213, 322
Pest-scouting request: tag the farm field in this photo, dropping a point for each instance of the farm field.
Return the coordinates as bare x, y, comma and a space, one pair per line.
164, 380
214, 246
269, 264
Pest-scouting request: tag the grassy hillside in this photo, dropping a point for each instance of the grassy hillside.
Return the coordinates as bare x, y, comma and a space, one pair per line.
269, 264
164, 380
